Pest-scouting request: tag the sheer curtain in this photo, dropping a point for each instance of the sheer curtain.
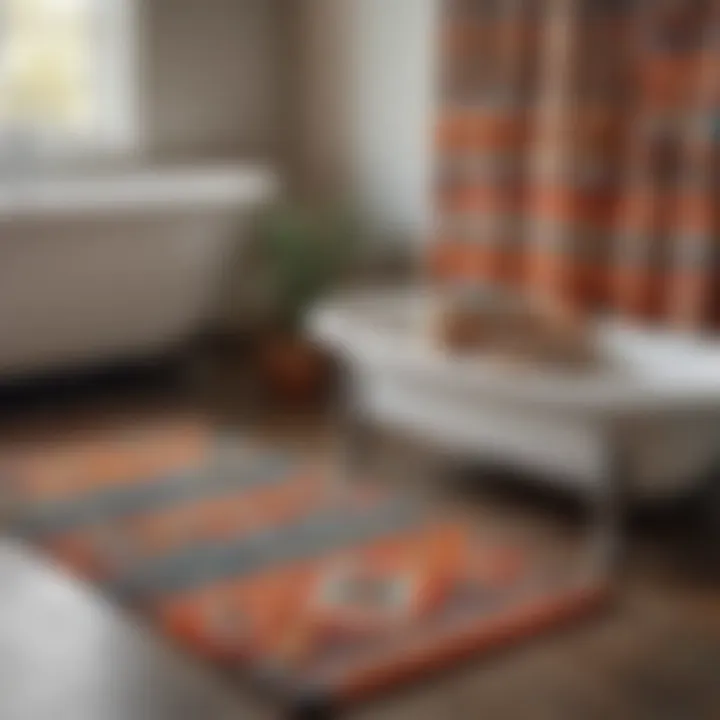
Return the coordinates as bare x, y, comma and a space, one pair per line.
67, 75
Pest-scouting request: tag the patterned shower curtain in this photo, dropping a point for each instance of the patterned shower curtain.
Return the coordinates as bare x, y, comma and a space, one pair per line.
578, 153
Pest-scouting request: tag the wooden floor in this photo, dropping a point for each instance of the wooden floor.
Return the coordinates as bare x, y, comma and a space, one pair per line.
653, 654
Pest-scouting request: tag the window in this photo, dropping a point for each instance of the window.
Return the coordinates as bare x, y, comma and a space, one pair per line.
66, 75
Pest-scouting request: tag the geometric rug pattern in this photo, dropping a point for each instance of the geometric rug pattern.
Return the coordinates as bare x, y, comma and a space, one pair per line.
264, 564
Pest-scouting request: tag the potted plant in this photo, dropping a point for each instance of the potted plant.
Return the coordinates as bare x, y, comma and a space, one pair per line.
303, 252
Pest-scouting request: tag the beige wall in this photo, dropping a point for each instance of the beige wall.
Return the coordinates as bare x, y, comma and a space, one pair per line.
393, 113
212, 76
365, 97
340, 89
319, 35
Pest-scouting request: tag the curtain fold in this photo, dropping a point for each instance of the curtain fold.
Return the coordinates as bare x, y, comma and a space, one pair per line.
578, 154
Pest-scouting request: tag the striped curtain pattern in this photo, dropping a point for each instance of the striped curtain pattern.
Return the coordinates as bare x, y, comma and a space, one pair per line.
578, 146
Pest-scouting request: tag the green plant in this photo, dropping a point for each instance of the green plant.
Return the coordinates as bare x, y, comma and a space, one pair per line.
304, 251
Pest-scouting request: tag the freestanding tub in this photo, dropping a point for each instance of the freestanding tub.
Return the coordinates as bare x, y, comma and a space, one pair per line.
655, 404
116, 266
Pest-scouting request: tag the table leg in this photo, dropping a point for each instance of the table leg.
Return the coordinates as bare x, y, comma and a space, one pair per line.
608, 513
353, 435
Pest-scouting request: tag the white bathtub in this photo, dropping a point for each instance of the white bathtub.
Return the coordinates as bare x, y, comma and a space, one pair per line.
658, 401
116, 266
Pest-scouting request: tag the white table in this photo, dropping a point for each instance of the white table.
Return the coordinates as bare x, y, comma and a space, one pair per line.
647, 424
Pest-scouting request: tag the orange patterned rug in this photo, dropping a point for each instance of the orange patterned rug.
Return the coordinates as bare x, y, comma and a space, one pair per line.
323, 593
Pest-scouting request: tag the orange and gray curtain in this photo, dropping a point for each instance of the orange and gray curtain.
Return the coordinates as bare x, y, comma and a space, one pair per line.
579, 153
